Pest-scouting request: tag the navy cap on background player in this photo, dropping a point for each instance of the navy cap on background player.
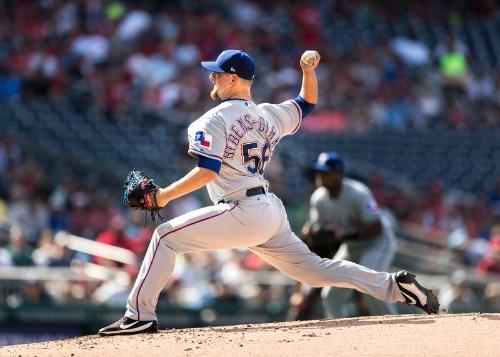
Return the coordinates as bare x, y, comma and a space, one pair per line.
329, 161
232, 61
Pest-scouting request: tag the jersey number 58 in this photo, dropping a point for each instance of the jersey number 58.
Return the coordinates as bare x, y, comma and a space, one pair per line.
254, 158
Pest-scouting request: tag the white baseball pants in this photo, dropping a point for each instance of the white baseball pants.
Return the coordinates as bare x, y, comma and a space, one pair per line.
259, 223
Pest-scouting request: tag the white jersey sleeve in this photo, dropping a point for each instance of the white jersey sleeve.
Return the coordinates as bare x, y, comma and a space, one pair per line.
287, 115
367, 208
207, 137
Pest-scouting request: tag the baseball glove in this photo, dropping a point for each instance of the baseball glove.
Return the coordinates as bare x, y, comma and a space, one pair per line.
321, 241
140, 193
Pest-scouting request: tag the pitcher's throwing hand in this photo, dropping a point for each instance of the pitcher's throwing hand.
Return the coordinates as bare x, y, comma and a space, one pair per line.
310, 60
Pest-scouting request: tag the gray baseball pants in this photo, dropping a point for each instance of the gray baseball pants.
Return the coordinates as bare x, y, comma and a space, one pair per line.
259, 223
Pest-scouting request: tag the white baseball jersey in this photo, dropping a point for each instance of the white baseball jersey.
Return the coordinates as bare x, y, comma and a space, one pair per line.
354, 206
242, 136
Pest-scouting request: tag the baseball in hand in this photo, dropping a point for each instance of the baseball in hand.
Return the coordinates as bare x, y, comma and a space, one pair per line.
309, 59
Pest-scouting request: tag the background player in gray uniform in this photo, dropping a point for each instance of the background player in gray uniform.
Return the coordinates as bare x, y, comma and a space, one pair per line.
233, 143
346, 208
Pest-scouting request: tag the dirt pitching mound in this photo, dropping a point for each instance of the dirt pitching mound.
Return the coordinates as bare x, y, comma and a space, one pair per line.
402, 335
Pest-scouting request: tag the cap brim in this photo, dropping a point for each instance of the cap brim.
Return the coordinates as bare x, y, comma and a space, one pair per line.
322, 168
212, 67
326, 168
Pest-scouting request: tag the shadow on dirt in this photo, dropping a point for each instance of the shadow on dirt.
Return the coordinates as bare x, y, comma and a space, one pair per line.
362, 321
489, 316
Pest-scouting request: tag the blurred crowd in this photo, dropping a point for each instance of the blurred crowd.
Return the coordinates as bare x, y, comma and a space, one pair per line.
468, 224
463, 227
33, 208
130, 58
142, 57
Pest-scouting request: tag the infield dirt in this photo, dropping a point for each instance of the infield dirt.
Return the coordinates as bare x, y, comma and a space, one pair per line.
402, 335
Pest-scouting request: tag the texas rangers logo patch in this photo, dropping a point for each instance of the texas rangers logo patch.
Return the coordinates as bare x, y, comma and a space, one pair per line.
204, 139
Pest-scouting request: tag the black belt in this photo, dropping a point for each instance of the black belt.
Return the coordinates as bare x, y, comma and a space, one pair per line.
251, 192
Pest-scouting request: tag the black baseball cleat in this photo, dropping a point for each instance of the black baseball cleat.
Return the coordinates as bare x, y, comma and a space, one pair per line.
415, 294
127, 326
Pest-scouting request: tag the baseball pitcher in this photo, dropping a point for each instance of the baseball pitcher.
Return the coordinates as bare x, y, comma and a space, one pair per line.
233, 143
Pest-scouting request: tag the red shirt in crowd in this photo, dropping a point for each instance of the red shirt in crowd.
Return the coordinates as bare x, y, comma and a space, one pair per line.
490, 264
117, 239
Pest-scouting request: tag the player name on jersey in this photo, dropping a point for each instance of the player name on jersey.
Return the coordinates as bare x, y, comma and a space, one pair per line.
245, 124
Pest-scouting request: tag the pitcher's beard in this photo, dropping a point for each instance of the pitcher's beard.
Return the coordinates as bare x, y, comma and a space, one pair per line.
214, 95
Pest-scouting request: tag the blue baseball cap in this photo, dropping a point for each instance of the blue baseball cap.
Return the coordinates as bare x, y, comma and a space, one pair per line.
232, 61
329, 161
